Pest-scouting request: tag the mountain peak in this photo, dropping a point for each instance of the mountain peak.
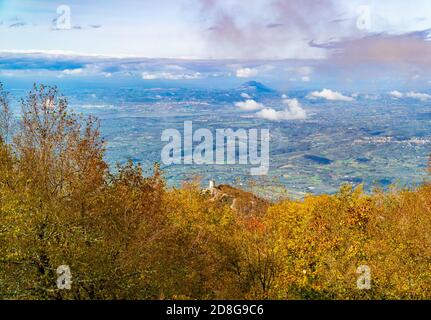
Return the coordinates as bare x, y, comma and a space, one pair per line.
255, 86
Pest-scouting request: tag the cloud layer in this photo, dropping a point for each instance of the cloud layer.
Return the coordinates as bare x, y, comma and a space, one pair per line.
293, 111
330, 95
246, 72
268, 28
400, 50
170, 76
249, 105
412, 95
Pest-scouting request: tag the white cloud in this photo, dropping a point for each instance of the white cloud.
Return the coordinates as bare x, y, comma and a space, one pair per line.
294, 111
170, 76
245, 95
9, 73
89, 70
72, 71
66, 53
270, 114
249, 105
174, 67
301, 71
150, 76
96, 106
411, 94
329, 95
396, 94
305, 71
246, 72
419, 96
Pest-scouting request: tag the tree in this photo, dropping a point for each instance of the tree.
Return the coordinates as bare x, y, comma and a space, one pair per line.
5, 114
59, 152
56, 174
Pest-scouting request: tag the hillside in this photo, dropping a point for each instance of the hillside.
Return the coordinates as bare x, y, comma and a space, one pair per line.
242, 202
125, 236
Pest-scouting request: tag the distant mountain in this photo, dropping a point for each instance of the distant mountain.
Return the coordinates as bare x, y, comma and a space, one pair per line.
256, 87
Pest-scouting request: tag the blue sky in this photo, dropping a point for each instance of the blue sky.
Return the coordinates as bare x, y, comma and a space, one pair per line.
201, 28
326, 35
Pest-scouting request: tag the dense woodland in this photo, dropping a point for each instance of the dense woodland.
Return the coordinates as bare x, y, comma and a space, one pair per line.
125, 235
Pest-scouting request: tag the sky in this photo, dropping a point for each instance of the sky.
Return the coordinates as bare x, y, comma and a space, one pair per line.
337, 37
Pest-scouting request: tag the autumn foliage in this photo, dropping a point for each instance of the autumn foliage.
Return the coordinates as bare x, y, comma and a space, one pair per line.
125, 235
